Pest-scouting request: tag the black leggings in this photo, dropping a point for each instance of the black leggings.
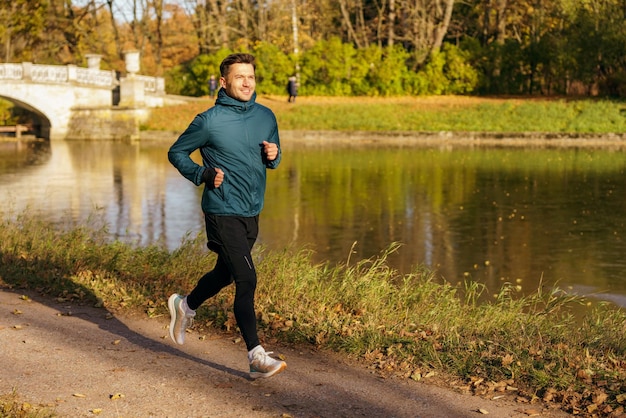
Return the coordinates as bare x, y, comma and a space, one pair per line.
232, 238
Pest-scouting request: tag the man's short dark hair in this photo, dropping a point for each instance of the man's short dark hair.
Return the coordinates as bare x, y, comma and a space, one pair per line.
236, 59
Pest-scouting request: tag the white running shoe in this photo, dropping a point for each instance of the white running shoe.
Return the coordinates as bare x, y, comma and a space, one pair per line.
182, 317
262, 365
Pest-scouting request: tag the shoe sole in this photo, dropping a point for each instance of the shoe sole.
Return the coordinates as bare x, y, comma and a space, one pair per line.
259, 375
172, 308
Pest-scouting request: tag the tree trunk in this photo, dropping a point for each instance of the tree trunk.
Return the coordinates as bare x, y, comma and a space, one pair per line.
391, 24
442, 27
158, 11
243, 17
501, 15
345, 13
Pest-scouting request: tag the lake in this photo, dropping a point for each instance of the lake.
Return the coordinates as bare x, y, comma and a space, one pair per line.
493, 215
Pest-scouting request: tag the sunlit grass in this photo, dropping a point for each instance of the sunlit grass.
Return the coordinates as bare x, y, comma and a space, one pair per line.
424, 114
411, 325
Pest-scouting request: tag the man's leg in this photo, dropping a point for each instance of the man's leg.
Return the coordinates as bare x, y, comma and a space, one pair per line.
183, 309
235, 237
210, 284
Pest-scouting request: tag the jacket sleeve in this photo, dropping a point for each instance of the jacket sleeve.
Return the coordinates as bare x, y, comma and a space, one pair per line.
194, 137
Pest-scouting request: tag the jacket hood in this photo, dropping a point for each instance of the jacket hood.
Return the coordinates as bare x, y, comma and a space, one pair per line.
225, 100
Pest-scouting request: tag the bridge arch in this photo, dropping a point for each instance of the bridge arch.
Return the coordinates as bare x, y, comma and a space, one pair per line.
40, 123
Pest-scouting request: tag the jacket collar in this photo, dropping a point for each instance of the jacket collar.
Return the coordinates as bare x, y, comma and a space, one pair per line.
225, 100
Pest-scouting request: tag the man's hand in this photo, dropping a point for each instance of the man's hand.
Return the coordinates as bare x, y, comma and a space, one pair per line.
271, 150
213, 177
219, 177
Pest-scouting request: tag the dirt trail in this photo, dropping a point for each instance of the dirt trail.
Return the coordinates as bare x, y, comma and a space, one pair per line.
74, 358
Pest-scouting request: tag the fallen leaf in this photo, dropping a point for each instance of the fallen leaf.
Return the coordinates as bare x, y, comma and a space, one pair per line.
483, 411
116, 396
96, 411
599, 397
116, 342
17, 312
79, 395
530, 412
549, 395
581, 374
507, 360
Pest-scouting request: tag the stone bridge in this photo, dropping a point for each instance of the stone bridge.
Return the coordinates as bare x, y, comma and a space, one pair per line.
57, 95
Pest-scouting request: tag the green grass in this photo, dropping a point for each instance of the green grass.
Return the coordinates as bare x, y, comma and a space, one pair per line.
412, 325
425, 114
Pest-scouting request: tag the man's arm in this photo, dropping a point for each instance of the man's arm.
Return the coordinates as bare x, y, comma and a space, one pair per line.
179, 153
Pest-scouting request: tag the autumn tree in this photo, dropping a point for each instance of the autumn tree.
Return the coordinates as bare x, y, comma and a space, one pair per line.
518, 47
22, 24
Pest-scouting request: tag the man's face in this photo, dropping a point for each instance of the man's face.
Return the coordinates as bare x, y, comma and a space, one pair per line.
240, 82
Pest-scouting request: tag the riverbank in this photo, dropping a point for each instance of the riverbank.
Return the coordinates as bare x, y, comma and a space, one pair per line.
410, 327
299, 138
425, 121
432, 118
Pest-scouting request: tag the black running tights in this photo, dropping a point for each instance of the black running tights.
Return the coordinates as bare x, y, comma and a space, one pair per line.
232, 238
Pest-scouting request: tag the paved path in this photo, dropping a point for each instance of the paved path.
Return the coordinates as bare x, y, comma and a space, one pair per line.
74, 358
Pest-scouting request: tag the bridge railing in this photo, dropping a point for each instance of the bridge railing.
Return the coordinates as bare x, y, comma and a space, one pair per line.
58, 74
52, 74
11, 71
152, 84
66, 74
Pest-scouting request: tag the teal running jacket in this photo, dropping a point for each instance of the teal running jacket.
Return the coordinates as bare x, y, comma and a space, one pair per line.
229, 136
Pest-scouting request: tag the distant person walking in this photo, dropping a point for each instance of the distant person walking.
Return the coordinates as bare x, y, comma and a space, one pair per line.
238, 141
212, 86
292, 89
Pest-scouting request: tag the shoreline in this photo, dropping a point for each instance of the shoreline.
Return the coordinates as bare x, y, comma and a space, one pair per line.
444, 138
323, 138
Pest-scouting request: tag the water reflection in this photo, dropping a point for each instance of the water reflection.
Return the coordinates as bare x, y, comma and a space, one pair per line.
490, 215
